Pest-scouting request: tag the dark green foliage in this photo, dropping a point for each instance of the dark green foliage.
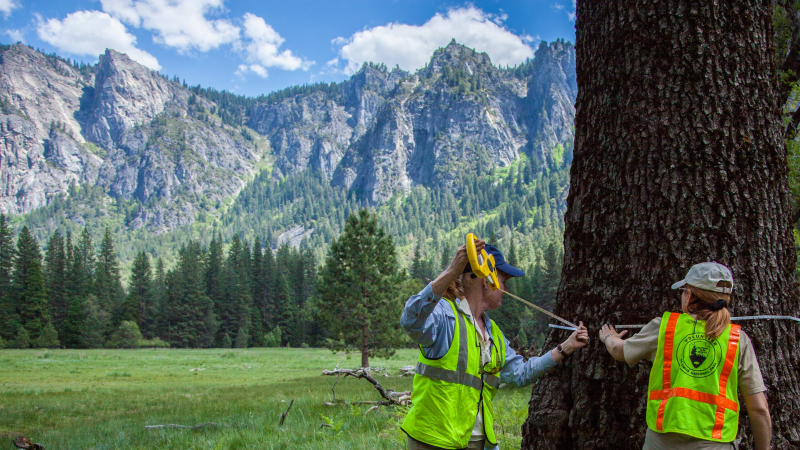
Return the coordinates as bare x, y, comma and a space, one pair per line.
107, 281
48, 337
226, 341
127, 335
522, 338
356, 287
72, 333
139, 306
23, 339
242, 337
6, 255
95, 322
189, 312
28, 298
55, 270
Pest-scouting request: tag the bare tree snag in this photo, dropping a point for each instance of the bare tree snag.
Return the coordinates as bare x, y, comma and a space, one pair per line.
678, 159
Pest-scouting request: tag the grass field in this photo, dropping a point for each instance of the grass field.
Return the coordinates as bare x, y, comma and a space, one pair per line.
102, 399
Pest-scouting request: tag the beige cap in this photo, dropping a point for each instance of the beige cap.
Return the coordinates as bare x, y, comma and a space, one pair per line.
706, 276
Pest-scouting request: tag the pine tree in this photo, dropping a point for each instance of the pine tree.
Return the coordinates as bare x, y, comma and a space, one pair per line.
139, 306
55, 261
23, 338
29, 298
191, 319
226, 341
238, 302
267, 302
242, 337
353, 287
7, 326
72, 332
95, 323
6, 255
48, 338
84, 260
214, 282
159, 299
108, 283
417, 265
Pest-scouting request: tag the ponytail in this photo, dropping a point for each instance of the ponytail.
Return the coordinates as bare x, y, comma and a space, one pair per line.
454, 291
712, 307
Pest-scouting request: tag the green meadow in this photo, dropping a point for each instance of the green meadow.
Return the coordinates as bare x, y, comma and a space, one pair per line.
103, 399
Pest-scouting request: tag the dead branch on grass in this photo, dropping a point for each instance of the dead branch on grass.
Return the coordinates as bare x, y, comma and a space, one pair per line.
390, 397
283, 416
194, 427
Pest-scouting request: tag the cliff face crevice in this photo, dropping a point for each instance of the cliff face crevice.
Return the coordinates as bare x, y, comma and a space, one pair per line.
147, 139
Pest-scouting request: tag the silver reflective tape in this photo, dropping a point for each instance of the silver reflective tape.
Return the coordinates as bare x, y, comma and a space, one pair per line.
492, 381
449, 376
796, 319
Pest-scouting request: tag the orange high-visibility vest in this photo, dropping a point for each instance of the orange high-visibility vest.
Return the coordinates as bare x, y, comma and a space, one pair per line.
693, 384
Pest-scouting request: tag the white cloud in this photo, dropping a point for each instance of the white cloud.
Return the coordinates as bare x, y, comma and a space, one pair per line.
16, 35
261, 47
252, 68
7, 5
410, 46
182, 24
557, 6
571, 14
90, 33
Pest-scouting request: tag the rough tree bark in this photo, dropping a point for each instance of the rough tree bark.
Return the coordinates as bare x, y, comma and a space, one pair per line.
678, 159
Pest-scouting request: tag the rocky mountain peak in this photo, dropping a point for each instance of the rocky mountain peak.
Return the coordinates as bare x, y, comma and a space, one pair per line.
126, 94
457, 56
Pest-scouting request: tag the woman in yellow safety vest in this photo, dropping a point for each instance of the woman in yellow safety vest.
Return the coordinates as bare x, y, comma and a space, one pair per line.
700, 364
464, 357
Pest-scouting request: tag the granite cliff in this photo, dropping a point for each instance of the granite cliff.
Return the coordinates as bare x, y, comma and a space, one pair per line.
169, 149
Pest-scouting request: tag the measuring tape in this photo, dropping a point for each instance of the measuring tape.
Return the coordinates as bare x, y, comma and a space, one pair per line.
796, 319
483, 266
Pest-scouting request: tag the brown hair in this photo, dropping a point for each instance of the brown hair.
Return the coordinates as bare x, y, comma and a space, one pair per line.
716, 321
455, 290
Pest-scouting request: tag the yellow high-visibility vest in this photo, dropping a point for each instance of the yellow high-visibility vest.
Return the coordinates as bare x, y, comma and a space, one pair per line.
693, 384
447, 391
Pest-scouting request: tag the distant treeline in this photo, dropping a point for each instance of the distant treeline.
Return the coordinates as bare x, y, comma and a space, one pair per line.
74, 297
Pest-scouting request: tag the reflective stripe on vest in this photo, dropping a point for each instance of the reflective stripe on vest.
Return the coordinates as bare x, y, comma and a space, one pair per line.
720, 400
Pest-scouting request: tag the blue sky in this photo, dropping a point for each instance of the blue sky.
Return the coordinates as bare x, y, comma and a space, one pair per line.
255, 47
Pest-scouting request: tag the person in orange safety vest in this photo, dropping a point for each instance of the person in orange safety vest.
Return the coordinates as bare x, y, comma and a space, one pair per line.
701, 362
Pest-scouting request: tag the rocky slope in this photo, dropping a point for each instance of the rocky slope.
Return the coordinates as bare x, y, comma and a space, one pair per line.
385, 132
122, 127
152, 142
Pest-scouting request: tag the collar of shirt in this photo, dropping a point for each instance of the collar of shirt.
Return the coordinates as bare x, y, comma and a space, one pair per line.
484, 340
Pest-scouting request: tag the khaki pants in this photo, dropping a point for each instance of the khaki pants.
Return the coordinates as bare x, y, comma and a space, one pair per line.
414, 444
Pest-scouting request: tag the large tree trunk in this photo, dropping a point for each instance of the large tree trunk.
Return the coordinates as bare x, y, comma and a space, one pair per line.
678, 159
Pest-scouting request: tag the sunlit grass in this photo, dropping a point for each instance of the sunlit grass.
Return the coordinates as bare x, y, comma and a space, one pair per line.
102, 399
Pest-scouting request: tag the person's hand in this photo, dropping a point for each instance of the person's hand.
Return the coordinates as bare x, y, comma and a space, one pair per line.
577, 340
608, 330
461, 259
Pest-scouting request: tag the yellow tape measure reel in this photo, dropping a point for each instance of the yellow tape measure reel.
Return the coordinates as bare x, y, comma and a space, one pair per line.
482, 263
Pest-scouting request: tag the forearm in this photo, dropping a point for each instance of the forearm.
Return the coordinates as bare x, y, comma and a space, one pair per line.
760, 420
520, 373
557, 356
762, 429
615, 347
